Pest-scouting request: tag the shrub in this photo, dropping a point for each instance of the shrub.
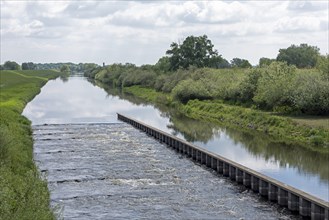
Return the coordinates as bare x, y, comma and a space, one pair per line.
173, 79
311, 93
274, 87
248, 85
189, 89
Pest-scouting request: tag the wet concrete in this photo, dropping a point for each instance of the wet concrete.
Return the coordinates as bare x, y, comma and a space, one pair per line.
113, 171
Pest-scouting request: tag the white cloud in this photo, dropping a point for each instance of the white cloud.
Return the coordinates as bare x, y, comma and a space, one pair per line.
298, 24
307, 6
141, 32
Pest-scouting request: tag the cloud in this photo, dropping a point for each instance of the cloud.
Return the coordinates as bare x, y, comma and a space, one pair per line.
92, 9
141, 31
307, 6
215, 12
177, 14
297, 24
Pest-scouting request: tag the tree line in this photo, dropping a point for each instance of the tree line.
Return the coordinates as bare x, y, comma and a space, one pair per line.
296, 82
63, 67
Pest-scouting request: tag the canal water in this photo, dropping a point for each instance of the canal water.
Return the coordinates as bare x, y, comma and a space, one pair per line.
114, 171
76, 100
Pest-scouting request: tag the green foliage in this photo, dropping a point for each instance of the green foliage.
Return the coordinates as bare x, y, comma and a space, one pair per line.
194, 51
322, 64
274, 87
149, 95
278, 128
29, 66
163, 65
310, 93
302, 56
11, 65
79, 68
277, 87
248, 85
240, 63
173, 79
65, 69
24, 194
263, 62
190, 89
281, 129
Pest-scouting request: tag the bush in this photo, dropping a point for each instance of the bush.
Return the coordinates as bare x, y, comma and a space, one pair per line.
322, 64
159, 82
248, 85
274, 87
189, 89
311, 93
173, 79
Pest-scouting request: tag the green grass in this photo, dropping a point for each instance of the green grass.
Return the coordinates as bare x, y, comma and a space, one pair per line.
313, 121
148, 94
23, 194
279, 128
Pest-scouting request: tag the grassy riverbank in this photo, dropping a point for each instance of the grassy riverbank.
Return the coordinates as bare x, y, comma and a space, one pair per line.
23, 194
279, 128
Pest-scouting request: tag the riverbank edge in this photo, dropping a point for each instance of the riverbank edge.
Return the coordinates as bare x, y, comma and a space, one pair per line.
24, 192
279, 128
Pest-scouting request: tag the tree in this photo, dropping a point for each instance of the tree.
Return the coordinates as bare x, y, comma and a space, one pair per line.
65, 68
163, 64
11, 65
194, 51
224, 64
29, 66
265, 61
302, 56
240, 63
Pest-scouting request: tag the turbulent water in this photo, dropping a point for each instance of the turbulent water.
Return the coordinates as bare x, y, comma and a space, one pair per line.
113, 171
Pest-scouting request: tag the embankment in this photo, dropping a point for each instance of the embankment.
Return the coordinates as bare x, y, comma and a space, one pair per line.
24, 195
278, 128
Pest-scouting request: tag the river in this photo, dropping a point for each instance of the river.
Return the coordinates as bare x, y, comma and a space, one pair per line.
76, 100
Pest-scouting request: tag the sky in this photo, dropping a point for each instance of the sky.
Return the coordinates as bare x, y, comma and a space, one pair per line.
141, 31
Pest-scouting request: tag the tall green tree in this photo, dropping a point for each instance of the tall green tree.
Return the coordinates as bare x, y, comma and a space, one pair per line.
194, 51
11, 65
163, 64
29, 66
240, 63
65, 68
302, 56
264, 61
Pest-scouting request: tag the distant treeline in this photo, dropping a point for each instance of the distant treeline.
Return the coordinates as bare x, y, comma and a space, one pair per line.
274, 85
63, 67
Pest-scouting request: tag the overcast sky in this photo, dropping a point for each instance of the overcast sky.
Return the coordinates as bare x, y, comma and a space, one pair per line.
140, 32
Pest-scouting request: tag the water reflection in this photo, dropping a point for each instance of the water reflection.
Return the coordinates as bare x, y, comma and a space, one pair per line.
80, 101
251, 149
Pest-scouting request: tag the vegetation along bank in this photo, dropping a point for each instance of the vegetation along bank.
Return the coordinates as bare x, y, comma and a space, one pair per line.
24, 195
286, 98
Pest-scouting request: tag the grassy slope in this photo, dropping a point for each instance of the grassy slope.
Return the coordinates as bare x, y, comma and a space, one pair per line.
313, 121
281, 129
23, 195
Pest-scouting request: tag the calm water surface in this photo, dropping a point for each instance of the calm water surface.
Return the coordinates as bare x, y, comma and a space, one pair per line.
77, 100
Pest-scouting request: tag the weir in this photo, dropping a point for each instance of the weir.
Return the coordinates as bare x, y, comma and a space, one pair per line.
295, 200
